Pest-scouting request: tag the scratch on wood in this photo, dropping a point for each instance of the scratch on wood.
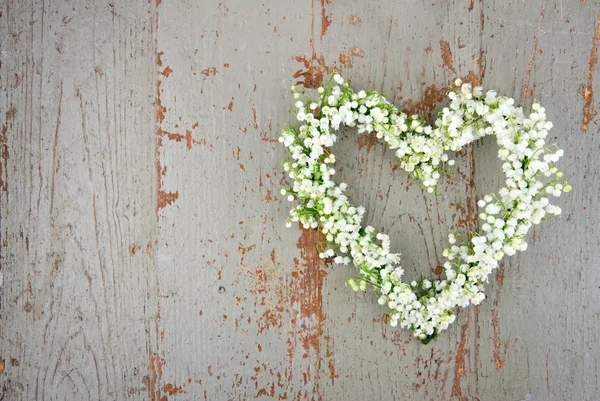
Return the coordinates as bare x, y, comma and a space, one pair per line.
499, 281
497, 357
589, 112
54, 166
443, 385
4, 164
527, 91
459, 366
472, 220
547, 377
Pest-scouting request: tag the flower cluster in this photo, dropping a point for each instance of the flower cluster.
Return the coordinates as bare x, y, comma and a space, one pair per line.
426, 307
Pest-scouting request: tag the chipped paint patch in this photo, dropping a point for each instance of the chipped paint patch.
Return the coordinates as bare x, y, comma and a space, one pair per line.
209, 72
314, 69
245, 249
447, 57
271, 289
466, 219
589, 112
166, 198
187, 138
473, 77
346, 59
367, 141
171, 389
166, 72
291, 306
432, 96
163, 198
310, 285
133, 248
310, 299
160, 109
152, 381
315, 66
332, 374
355, 20
325, 18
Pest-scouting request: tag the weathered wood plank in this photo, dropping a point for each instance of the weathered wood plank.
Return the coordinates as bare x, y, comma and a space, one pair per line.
78, 84
144, 252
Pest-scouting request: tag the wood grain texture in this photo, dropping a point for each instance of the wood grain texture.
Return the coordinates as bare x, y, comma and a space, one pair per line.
143, 251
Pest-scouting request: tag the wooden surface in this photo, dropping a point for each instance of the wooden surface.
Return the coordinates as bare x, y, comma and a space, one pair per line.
143, 248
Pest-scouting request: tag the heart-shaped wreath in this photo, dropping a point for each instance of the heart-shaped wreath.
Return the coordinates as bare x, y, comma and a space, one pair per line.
427, 307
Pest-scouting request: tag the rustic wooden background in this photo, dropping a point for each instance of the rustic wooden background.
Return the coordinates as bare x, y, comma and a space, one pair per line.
143, 248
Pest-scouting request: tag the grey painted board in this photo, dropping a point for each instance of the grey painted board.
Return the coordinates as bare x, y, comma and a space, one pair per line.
143, 249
